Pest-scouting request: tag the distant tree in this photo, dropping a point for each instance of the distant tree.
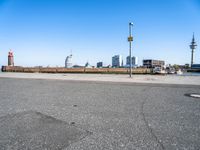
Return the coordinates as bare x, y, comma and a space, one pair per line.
176, 66
187, 66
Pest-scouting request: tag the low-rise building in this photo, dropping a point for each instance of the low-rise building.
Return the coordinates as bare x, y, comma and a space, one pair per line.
195, 66
150, 63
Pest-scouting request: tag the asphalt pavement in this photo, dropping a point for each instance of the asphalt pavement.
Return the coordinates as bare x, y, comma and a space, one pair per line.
74, 115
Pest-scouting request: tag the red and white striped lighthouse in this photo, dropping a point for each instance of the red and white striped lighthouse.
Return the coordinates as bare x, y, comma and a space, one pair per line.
10, 58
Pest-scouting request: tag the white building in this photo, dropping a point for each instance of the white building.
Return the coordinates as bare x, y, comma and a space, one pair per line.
134, 61
117, 61
68, 62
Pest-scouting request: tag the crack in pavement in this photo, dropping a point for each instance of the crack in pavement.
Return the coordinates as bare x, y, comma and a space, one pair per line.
147, 124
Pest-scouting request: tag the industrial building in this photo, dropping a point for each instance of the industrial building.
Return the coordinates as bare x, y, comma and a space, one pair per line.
150, 63
117, 61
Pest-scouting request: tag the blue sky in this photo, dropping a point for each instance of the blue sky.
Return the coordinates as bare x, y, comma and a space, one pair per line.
43, 32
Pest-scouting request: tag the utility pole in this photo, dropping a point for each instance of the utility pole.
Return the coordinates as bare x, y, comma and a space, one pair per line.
130, 39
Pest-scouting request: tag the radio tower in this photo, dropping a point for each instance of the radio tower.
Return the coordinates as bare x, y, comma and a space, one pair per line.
193, 47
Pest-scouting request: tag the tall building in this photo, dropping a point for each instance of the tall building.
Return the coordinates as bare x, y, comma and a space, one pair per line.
117, 61
99, 64
150, 63
68, 61
10, 58
134, 61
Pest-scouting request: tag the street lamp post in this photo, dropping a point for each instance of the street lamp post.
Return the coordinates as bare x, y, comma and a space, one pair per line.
130, 39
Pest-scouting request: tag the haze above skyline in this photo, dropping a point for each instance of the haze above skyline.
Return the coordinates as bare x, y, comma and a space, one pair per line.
44, 32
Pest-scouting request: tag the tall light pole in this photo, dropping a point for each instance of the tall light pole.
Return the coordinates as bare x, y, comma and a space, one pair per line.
130, 39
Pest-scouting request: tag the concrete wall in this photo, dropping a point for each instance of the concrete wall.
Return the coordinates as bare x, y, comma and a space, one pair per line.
74, 70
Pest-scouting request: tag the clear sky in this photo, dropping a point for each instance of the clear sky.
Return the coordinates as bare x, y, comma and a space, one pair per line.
43, 32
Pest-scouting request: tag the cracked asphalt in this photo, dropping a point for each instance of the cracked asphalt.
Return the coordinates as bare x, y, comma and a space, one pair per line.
118, 115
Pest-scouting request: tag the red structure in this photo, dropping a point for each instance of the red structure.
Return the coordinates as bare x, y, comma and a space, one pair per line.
10, 58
